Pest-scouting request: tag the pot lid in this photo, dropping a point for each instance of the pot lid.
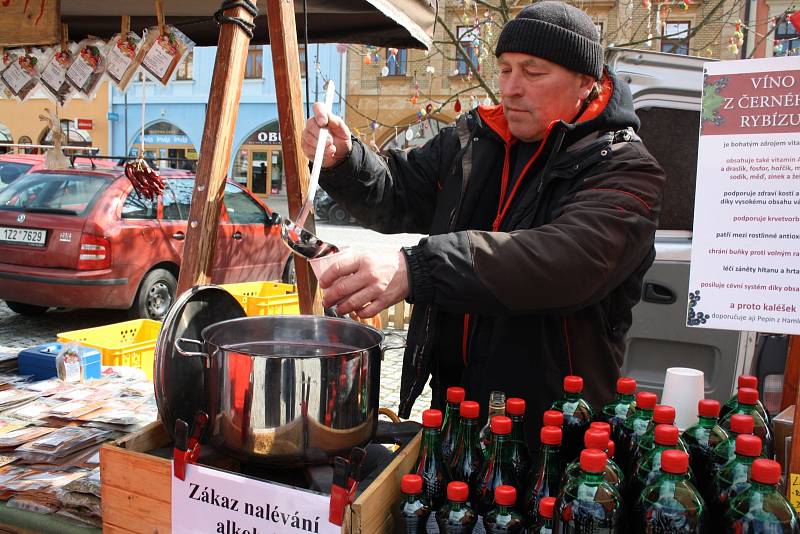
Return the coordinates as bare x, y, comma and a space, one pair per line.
180, 386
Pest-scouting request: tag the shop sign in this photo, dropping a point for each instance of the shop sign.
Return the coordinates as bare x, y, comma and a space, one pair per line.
210, 500
83, 124
112, 116
165, 139
262, 137
745, 270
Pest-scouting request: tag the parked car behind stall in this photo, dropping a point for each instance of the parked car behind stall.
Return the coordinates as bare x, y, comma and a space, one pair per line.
86, 239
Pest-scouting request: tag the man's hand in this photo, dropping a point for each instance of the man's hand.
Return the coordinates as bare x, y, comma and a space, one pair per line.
338, 143
365, 284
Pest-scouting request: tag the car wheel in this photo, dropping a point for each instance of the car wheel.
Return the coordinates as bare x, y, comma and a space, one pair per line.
155, 296
26, 309
338, 214
289, 275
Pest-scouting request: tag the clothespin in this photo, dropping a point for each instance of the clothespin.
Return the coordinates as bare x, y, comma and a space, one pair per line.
125, 26
162, 26
64, 37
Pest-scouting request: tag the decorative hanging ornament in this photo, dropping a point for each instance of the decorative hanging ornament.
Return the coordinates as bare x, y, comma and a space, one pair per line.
413, 100
367, 60
487, 101
419, 115
456, 73
733, 48
374, 125
646, 4
794, 19
376, 58
429, 69
393, 51
341, 48
457, 106
409, 134
683, 6
385, 70
428, 109
473, 102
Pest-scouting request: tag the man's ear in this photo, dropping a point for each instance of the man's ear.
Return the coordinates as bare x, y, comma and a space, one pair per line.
586, 84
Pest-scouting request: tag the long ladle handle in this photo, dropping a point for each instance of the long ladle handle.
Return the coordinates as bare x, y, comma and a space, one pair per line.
317, 166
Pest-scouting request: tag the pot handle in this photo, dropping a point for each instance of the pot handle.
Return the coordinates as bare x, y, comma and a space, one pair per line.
189, 354
386, 346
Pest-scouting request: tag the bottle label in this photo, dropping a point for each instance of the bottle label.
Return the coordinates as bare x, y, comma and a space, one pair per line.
794, 493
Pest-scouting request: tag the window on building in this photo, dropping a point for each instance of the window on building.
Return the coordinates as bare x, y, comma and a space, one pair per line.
468, 37
675, 38
788, 39
255, 62
397, 63
301, 48
186, 68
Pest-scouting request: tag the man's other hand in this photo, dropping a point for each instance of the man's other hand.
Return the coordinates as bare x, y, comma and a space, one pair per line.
337, 144
365, 284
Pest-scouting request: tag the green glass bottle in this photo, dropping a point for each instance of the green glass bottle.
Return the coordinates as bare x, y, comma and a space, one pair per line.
747, 399
616, 412
456, 517
430, 464
671, 505
520, 455
414, 508
762, 509
455, 395
632, 429
577, 417
700, 440
545, 523
467, 457
497, 470
734, 478
588, 504
596, 438
649, 467
744, 381
662, 415
545, 481
503, 517
725, 451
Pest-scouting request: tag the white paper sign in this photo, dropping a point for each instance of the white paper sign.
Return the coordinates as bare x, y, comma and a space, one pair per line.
217, 502
79, 72
745, 271
54, 74
16, 77
118, 62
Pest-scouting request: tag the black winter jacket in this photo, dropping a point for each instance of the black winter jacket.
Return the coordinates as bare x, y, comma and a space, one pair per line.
549, 292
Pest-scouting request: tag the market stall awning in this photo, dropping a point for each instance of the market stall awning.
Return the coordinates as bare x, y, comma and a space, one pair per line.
397, 23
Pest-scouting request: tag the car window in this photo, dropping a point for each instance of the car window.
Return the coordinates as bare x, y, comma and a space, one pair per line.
10, 171
241, 208
137, 206
177, 199
70, 194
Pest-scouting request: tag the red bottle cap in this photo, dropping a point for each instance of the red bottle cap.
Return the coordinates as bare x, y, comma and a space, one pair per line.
748, 445
505, 495
663, 415
766, 471
594, 438
515, 406
411, 484
674, 461
546, 506
432, 419
593, 460
748, 396
600, 425
666, 435
747, 381
626, 385
611, 448
742, 423
573, 384
708, 408
457, 491
469, 409
553, 418
501, 425
550, 435
646, 400
455, 394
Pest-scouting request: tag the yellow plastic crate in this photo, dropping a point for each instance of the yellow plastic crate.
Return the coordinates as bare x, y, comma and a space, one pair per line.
265, 298
130, 343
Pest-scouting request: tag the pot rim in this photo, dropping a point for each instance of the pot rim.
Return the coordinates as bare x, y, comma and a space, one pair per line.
380, 337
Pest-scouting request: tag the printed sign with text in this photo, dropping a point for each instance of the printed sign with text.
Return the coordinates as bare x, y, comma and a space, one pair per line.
745, 272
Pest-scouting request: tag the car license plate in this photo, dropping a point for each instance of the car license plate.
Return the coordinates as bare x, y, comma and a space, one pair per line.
23, 236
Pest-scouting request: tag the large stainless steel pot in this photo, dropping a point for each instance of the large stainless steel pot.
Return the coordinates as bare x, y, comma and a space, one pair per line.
287, 390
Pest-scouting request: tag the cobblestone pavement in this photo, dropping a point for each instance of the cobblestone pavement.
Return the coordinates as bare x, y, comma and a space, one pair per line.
18, 332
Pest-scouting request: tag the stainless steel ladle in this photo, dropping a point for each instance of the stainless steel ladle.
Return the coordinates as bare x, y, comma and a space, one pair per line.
298, 239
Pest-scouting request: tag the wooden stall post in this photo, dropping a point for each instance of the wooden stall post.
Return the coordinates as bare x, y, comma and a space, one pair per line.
215, 152
286, 61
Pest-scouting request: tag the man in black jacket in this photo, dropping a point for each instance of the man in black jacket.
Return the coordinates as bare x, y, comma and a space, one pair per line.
541, 215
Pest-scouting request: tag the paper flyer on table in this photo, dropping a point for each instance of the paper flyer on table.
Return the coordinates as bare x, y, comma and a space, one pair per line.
745, 271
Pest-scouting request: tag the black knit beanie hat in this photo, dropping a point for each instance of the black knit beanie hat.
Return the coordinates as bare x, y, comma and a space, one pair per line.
557, 32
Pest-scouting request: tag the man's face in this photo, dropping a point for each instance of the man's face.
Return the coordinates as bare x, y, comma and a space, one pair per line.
535, 92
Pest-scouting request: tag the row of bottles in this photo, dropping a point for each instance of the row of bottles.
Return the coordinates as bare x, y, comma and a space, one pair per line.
465, 471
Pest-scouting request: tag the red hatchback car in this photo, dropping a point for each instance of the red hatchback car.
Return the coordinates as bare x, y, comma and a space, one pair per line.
86, 239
